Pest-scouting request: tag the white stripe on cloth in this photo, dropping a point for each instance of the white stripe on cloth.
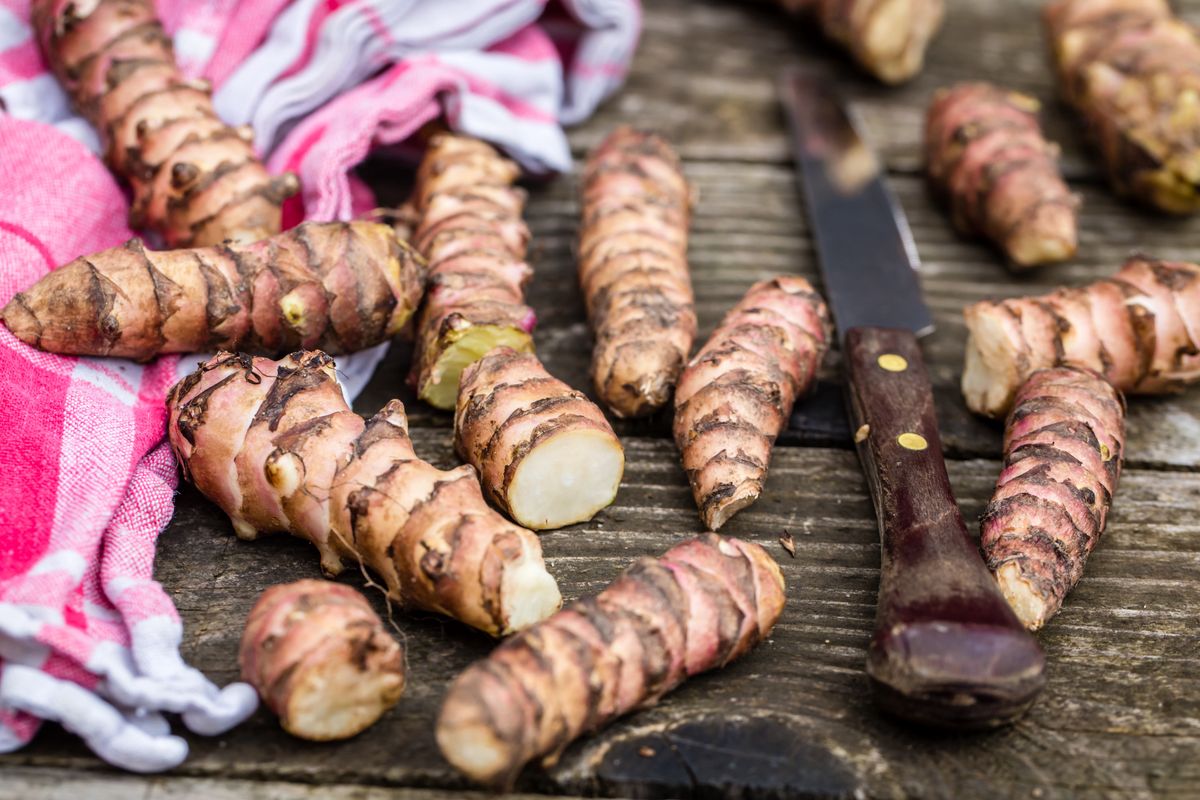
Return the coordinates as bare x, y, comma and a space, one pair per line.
261, 94
603, 56
242, 93
13, 29
42, 98
354, 371
120, 738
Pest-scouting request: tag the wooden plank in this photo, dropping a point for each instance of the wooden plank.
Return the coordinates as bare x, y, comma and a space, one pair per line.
706, 70
1121, 715
24, 783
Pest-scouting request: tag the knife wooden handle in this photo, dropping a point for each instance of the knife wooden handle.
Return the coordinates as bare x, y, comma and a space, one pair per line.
947, 649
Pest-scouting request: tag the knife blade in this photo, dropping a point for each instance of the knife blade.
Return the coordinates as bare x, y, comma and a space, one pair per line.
947, 650
856, 221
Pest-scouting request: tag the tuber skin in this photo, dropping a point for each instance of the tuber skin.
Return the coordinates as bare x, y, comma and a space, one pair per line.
195, 180
633, 270
275, 445
1140, 329
736, 395
338, 286
546, 455
703, 603
888, 38
988, 161
321, 659
1063, 448
469, 228
1131, 70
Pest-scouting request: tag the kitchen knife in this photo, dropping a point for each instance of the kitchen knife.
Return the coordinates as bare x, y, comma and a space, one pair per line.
947, 649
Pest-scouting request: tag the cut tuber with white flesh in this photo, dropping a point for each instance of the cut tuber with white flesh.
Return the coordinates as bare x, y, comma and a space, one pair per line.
736, 395
546, 455
1140, 329
1063, 448
703, 603
321, 660
469, 228
275, 445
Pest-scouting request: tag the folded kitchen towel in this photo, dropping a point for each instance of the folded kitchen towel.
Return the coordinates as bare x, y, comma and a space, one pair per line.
87, 637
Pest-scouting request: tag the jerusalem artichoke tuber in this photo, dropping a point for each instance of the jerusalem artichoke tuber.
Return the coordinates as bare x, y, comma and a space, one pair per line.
339, 286
736, 395
986, 157
546, 455
702, 604
1131, 69
887, 37
1140, 329
633, 270
1063, 449
194, 179
469, 228
274, 444
321, 660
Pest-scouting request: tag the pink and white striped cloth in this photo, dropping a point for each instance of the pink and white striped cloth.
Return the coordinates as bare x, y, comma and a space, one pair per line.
87, 638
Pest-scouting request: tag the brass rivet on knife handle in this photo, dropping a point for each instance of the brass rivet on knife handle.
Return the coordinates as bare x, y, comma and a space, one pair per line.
892, 362
912, 441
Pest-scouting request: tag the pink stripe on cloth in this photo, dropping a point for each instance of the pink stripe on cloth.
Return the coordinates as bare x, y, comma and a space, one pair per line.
21, 62
29, 441
245, 30
326, 146
379, 28
36, 233
87, 483
311, 34
126, 571
528, 44
481, 87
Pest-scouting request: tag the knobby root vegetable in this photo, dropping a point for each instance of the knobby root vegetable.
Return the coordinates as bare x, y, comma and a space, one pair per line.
737, 393
1139, 329
195, 179
1063, 449
338, 286
702, 604
633, 270
987, 159
321, 659
1131, 70
546, 455
470, 230
887, 37
275, 445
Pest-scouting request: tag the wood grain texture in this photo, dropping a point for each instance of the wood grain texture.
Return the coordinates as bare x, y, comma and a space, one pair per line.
24, 783
1120, 716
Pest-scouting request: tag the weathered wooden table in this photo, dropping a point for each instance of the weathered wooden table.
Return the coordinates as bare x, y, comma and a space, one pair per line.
1121, 714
